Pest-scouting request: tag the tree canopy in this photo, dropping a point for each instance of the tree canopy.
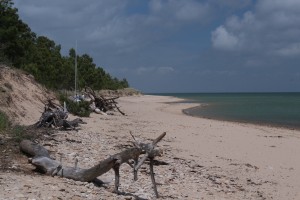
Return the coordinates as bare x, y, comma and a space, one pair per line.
41, 56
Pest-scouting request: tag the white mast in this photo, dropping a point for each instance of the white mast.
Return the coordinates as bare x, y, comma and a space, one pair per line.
76, 70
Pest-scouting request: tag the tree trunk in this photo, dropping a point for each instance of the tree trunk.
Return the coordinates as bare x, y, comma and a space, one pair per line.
42, 160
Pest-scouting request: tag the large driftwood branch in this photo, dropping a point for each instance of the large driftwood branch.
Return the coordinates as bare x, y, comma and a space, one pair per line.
42, 160
55, 116
102, 103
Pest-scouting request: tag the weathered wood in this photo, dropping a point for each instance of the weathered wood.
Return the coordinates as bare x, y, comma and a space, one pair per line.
58, 119
152, 177
135, 172
149, 148
102, 103
119, 110
42, 160
117, 178
33, 150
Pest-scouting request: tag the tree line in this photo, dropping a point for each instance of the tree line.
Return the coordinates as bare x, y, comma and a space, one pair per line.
41, 57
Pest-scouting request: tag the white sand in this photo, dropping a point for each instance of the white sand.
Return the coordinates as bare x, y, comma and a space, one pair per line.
207, 159
272, 152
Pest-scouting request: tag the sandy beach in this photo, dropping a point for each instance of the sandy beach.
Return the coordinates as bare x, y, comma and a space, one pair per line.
146, 100
205, 159
263, 156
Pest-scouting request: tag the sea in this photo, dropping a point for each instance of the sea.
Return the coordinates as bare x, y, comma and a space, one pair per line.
274, 109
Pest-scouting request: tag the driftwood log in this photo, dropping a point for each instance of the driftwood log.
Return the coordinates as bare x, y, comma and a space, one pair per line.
102, 103
56, 116
55, 119
44, 163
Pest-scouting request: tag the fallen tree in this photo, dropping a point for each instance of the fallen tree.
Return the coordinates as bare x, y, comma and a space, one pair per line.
56, 116
44, 163
100, 104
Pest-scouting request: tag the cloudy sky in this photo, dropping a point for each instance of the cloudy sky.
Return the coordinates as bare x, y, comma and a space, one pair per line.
180, 45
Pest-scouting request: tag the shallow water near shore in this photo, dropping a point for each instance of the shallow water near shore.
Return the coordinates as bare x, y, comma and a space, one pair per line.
276, 109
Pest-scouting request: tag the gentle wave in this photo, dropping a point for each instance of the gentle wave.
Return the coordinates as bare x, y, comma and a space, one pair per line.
276, 109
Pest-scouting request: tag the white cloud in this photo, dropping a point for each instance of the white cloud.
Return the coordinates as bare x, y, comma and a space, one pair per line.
248, 21
224, 40
291, 50
157, 34
231, 3
278, 5
154, 70
134, 31
170, 11
108, 24
271, 28
116, 29
144, 70
155, 6
165, 70
193, 11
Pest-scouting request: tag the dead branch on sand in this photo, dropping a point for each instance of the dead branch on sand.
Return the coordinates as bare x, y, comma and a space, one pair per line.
101, 104
55, 116
42, 160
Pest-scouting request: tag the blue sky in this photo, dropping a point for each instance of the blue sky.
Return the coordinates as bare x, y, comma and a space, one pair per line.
180, 45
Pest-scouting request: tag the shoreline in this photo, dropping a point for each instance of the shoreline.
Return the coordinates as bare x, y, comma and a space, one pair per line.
269, 151
198, 105
270, 125
190, 104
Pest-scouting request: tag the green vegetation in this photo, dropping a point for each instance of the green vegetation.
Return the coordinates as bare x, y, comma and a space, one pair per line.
41, 57
16, 132
4, 122
80, 109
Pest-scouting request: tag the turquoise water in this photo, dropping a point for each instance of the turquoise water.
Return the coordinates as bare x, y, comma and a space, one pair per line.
278, 109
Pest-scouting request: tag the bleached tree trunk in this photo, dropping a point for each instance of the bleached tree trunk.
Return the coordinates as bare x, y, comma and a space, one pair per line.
42, 160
